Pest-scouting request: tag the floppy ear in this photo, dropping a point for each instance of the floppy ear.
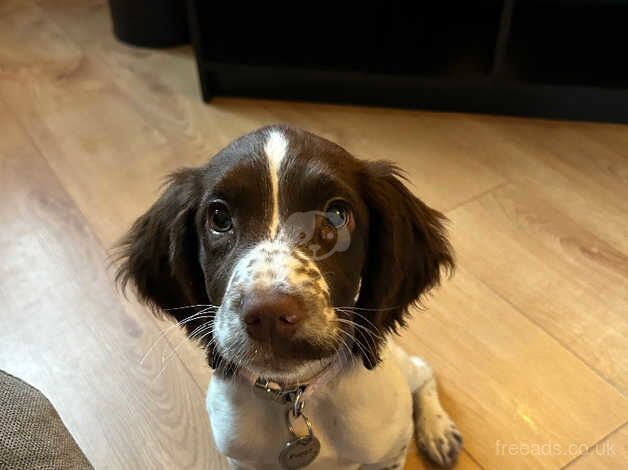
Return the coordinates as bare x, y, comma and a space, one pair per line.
407, 250
160, 254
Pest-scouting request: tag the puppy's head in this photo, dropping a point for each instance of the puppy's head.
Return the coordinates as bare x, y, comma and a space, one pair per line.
292, 249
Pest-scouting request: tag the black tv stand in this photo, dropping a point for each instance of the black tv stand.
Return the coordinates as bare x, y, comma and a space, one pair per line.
551, 58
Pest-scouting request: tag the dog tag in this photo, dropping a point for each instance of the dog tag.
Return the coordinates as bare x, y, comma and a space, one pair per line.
299, 452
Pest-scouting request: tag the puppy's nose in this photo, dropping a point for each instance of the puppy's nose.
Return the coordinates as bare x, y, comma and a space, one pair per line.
269, 316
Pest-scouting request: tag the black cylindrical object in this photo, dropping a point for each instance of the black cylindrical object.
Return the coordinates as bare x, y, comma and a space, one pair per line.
150, 23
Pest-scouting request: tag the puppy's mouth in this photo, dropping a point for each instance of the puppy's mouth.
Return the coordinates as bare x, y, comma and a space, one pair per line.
267, 361
279, 358
276, 349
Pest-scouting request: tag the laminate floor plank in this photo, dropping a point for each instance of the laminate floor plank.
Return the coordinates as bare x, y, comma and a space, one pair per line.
529, 339
65, 331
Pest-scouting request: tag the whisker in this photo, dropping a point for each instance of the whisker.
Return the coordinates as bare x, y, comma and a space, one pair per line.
371, 335
343, 349
357, 342
383, 309
200, 328
354, 324
360, 315
196, 316
191, 306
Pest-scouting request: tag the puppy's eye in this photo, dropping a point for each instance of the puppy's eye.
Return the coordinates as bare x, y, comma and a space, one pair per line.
338, 213
219, 217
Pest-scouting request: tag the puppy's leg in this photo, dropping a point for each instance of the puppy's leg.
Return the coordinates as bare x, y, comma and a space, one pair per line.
436, 433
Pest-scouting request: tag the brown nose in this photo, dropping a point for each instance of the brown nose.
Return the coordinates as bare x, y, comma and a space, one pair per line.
272, 316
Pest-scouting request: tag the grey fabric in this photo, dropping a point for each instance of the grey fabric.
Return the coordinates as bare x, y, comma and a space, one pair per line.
32, 436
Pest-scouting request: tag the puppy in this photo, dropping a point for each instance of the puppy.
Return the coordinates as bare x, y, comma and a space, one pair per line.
293, 262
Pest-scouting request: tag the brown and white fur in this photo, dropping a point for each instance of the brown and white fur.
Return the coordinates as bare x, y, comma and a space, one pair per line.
282, 254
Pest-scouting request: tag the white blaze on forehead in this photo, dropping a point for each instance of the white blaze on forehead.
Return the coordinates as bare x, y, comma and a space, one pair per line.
275, 147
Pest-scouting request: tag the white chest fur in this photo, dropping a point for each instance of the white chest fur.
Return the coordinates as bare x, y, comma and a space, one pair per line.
360, 417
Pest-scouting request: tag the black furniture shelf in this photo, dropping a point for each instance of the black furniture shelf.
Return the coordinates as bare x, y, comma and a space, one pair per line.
551, 58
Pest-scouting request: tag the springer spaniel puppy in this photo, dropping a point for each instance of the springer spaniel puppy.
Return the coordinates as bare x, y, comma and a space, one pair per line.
294, 262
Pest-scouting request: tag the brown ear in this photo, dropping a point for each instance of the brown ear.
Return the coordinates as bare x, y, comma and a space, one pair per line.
407, 251
159, 255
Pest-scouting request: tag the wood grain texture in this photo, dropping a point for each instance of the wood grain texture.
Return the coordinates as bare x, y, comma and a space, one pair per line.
65, 331
556, 272
506, 380
65, 103
610, 453
529, 339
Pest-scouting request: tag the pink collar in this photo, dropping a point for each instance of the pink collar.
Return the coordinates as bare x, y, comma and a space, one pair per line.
287, 393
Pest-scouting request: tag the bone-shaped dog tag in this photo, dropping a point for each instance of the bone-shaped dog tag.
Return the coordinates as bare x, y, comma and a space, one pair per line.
299, 452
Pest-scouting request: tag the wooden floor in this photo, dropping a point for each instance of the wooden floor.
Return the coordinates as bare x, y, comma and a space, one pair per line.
529, 339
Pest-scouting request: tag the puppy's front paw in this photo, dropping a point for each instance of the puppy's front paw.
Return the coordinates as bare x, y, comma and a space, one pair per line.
438, 437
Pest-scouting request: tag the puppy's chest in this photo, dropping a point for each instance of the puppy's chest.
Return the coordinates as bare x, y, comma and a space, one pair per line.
353, 422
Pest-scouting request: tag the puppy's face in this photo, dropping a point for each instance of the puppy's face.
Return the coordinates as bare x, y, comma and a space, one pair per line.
297, 248
283, 236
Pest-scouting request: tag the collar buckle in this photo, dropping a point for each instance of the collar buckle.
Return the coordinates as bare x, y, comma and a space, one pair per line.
268, 389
